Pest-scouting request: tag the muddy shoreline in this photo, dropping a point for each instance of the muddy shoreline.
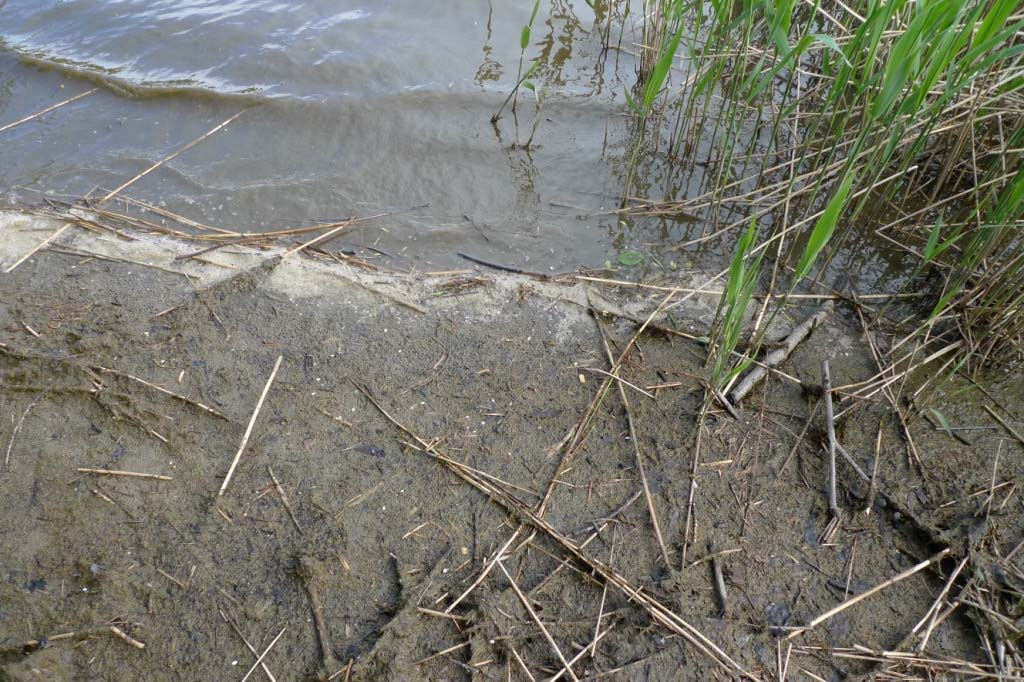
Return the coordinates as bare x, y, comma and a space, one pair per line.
117, 355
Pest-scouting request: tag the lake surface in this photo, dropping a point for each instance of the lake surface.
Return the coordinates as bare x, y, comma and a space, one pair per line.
351, 108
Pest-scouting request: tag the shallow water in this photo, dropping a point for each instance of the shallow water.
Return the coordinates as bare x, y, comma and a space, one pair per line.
353, 108
362, 108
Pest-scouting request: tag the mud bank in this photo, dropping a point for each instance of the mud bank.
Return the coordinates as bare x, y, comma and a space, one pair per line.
118, 354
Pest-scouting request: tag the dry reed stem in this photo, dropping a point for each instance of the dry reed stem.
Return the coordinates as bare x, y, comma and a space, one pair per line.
46, 110
184, 399
536, 619
867, 593
658, 611
248, 646
1002, 422
259, 659
583, 652
248, 429
129, 474
284, 499
931, 616
110, 195
39, 246
638, 456
16, 431
124, 637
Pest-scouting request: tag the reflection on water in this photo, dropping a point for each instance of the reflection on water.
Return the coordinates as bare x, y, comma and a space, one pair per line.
352, 108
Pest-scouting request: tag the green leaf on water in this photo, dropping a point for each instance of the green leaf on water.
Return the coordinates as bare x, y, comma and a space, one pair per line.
524, 38
530, 86
631, 258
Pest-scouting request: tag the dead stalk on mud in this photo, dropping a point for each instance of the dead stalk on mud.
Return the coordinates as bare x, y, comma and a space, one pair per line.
867, 593
129, 474
660, 613
536, 619
830, 429
248, 429
17, 429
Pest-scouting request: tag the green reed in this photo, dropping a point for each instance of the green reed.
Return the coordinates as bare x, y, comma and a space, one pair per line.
866, 103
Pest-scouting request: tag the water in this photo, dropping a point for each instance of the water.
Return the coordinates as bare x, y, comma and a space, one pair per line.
351, 108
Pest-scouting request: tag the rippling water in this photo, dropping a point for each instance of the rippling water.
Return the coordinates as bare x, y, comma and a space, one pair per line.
351, 108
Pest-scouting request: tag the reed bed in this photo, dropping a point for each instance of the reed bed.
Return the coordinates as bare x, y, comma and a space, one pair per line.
817, 118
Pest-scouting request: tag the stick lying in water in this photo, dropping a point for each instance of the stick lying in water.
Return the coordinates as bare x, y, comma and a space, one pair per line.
170, 157
48, 109
789, 344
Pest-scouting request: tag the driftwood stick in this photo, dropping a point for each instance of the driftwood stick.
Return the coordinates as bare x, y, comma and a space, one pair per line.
308, 572
777, 356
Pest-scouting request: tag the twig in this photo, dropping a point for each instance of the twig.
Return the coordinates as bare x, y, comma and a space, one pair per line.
259, 659
170, 157
1002, 422
503, 268
17, 429
38, 246
604, 596
121, 635
248, 429
873, 486
539, 622
932, 614
46, 110
849, 460
117, 472
308, 572
161, 389
716, 570
284, 499
248, 646
867, 593
658, 611
638, 456
777, 356
830, 428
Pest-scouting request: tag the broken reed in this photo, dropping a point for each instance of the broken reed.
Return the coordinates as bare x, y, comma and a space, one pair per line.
813, 114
